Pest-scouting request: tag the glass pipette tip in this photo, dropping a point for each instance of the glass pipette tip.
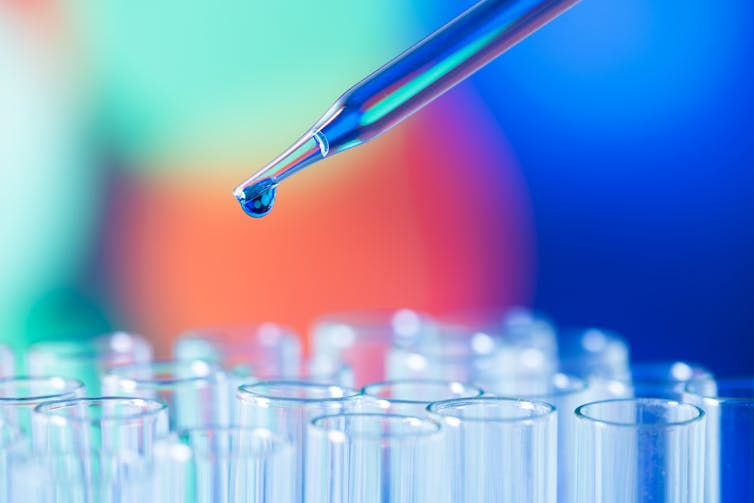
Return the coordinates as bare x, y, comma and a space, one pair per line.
257, 194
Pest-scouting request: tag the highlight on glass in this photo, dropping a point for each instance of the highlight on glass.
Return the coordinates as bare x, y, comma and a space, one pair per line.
729, 405
286, 407
373, 458
87, 358
412, 396
224, 465
647, 450
498, 449
198, 393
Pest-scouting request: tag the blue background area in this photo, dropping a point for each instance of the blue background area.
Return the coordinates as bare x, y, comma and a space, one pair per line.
633, 124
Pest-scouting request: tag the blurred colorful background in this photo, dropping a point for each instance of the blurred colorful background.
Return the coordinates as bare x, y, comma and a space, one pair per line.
600, 172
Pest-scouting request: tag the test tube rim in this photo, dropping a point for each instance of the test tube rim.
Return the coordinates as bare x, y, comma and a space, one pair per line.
57, 344
436, 427
365, 318
214, 333
581, 416
157, 407
40, 398
370, 325
215, 371
245, 393
304, 373
707, 398
392, 382
583, 387
572, 338
577, 333
434, 410
703, 372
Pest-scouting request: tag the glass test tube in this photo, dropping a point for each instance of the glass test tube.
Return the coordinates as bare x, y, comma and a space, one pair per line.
450, 356
224, 465
87, 359
339, 374
361, 339
91, 450
639, 450
499, 449
285, 407
262, 351
19, 395
480, 348
412, 396
372, 458
197, 393
566, 393
18, 398
7, 363
650, 380
593, 351
729, 454
10, 437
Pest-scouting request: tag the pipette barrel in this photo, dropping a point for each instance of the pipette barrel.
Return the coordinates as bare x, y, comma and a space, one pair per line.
403, 86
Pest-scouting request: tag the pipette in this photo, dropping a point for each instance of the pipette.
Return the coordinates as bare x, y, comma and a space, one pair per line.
403, 86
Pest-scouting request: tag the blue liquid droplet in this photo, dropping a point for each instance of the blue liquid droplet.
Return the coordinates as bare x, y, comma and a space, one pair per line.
258, 199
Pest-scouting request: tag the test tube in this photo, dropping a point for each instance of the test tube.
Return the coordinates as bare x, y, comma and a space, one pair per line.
593, 351
450, 356
198, 393
361, 339
224, 465
526, 340
499, 449
19, 395
7, 363
263, 351
285, 407
9, 439
91, 450
412, 396
340, 374
87, 359
639, 450
373, 458
481, 349
337, 373
565, 393
650, 380
729, 465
